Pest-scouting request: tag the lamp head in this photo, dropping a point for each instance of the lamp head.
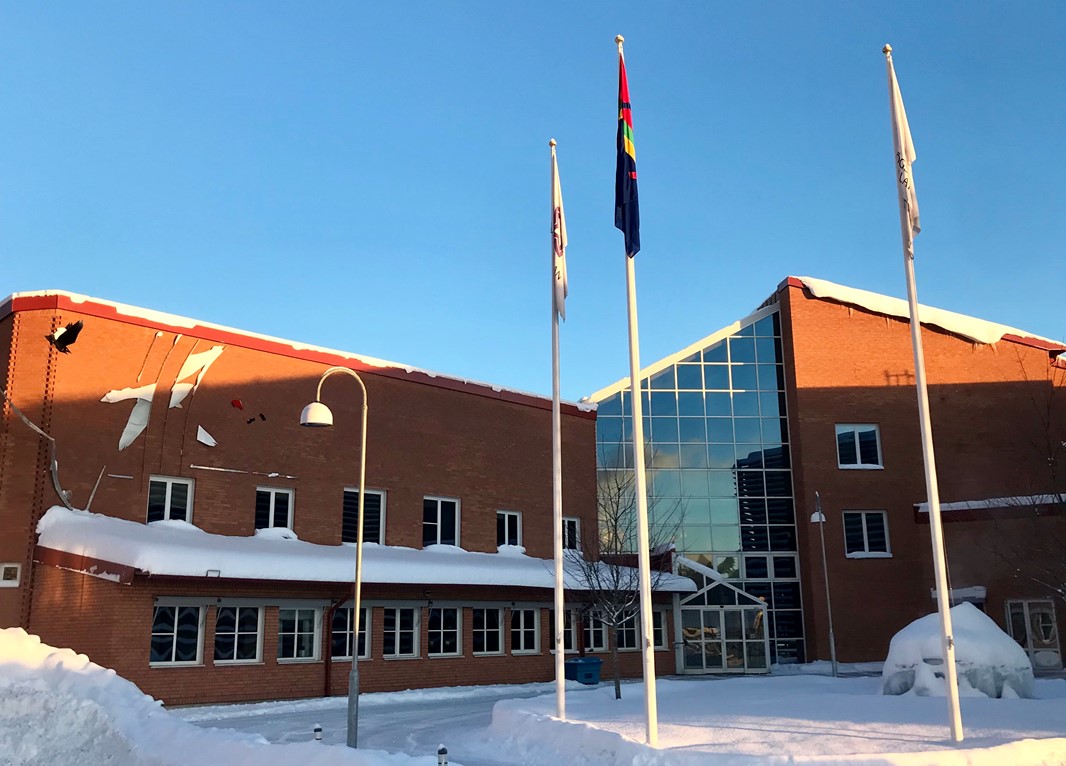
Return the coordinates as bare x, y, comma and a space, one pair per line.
316, 415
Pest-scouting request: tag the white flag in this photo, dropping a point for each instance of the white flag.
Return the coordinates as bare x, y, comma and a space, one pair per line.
558, 241
905, 157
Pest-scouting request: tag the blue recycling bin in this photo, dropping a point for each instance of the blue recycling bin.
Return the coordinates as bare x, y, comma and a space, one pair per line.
584, 670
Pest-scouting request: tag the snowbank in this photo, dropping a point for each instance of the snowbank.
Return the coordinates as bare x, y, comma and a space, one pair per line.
987, 660
58, 708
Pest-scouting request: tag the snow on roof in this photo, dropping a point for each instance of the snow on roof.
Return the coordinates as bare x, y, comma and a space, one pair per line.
1019, 501
977, 330
183, 550
156, 318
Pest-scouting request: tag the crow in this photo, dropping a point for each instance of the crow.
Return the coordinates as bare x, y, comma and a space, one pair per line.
64, 337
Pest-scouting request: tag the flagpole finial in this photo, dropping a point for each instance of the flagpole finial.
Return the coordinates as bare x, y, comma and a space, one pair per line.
619, 40
551, 143
887, 50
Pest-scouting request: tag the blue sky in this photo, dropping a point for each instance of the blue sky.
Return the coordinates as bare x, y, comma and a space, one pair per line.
374, 177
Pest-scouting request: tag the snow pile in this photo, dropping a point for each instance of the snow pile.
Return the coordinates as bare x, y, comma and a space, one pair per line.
58, 708
987, 660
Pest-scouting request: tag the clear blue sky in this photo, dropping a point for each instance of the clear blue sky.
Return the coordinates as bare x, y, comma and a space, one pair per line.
374, 176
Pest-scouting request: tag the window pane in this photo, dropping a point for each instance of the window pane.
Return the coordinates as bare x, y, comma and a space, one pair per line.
162, 647
262, 509
163, 619
854, 541
868, 446
846, 454
179, 500
663, 403
876, 538
744, 377
281, 509
690, 376
741, 349
663, 380
157, 500
447, 522
746, 404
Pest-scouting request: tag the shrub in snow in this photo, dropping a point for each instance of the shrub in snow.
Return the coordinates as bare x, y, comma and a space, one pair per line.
988, 661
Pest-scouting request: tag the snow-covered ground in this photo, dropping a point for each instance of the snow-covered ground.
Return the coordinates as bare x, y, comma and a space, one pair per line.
58, 708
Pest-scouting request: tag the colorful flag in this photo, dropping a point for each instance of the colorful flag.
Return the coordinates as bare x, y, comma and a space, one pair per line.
905, 157
558, 241
626, 209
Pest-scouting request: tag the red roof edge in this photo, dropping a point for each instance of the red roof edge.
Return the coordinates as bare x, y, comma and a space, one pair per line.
56, 302
105, 570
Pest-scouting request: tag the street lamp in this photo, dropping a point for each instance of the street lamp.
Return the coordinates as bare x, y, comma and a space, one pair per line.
318, 415
819, 518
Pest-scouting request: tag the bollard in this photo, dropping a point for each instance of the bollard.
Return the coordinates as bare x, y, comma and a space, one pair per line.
318, 732
442, 756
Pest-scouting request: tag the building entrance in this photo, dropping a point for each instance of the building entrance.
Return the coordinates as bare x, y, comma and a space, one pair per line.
1032, 624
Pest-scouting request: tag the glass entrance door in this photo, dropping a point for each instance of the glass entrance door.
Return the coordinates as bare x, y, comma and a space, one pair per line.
722, 640
1032, 624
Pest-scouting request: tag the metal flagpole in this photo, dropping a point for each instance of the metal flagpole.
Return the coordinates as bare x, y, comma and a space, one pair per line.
629, 224
819, 518
908, 218
557, 448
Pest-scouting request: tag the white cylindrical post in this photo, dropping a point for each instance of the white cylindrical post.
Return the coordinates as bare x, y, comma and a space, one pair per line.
557, 487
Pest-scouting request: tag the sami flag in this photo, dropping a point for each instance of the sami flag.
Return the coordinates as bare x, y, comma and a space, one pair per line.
626, 209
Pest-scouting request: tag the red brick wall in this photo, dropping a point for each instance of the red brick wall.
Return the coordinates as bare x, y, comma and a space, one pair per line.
111, 624
847, 365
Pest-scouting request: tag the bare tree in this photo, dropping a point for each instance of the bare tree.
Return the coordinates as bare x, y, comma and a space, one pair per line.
607, 568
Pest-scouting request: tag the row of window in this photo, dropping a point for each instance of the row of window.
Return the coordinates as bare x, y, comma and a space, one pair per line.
172, 498
178, 633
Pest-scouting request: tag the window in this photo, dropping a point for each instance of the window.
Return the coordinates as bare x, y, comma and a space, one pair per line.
298, 634
399, 635
866, 534
443, 633
571, 533
508, 528
858, 446
440, 521
9, 574
525, 624
373, 516
237, 631
629, 631
569, 631
595, 633
341, 634
177, 635
488, 631
169, 498
273, 507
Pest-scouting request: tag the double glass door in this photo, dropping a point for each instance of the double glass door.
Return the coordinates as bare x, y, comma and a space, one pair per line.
723, 639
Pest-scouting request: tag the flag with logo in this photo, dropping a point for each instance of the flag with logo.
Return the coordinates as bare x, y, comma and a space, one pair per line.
558, 242
905, 157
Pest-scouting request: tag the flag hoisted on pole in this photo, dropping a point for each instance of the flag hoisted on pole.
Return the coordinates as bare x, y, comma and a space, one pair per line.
558, 234
909, 227
627, 218
558, 240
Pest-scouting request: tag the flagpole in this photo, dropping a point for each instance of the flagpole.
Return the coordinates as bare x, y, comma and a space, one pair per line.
557, 471
905, 185
643, 543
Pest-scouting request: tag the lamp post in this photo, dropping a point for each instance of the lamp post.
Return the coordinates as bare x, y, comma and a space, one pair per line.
819, 518
318, 415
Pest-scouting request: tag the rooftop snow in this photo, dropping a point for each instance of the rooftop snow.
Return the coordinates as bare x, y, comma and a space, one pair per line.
183, 550
156, 318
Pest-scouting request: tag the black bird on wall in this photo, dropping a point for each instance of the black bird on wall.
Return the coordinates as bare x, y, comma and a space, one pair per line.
65, 336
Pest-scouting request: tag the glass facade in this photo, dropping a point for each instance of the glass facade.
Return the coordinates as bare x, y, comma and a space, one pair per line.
718, 467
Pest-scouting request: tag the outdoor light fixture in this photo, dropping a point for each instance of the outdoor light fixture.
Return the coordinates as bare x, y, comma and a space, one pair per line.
318, 415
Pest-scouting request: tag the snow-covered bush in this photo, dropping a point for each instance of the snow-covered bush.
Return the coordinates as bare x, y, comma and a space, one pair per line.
987, 660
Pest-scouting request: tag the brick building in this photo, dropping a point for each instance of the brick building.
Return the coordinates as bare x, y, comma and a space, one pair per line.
182, 439
815, 392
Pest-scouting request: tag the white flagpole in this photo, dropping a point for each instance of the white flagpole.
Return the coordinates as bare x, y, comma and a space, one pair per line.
909, 225
557, 462
651, 714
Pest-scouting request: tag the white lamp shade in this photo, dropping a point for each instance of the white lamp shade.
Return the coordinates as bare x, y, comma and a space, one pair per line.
316, 415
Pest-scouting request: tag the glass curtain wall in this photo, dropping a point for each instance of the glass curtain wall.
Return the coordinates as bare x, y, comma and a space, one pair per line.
719, 469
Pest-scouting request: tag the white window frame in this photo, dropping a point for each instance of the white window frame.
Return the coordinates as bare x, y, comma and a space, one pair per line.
442, 631
200, 630
316, 638
853, 429
596, 634
364, 630
438, 499
523, 628
486, 631
567, 520
517, 516
416, 630
6, 581
274, 492
258, 636
866, 553
632, 623
170, 481
381, 523
569, 631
